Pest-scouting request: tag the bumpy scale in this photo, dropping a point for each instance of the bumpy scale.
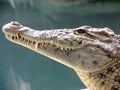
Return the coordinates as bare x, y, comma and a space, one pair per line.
94, 53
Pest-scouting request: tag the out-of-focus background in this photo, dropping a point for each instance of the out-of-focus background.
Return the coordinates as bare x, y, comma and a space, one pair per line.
23, 69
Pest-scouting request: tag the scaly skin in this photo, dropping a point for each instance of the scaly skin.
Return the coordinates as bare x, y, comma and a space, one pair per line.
94, 53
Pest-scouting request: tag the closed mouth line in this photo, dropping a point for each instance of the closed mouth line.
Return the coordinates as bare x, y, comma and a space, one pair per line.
18, 38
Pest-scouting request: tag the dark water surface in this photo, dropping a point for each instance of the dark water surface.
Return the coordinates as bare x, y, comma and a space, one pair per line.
23, 69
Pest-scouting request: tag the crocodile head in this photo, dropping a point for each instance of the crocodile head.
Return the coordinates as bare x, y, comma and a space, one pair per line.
84, 48
94, 53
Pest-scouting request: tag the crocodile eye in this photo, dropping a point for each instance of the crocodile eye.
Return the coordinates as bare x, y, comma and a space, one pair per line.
79, 31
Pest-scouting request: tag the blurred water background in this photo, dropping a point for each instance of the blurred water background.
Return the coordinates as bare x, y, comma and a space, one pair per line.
23, 69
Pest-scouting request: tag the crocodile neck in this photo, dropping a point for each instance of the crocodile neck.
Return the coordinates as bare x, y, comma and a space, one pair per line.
108, 78
92, 52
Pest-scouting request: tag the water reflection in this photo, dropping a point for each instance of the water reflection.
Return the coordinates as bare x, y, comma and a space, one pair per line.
15, 81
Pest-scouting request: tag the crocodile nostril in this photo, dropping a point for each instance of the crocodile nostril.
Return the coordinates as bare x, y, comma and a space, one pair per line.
86, 27
15, 23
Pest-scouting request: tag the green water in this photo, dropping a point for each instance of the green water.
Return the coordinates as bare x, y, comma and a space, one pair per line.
23, 69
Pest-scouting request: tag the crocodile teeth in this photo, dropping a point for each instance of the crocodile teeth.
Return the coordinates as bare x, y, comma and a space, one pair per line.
51, 42
42, 44
77, 39
62, 48
57, 46
35, 45
66, 48
48, 43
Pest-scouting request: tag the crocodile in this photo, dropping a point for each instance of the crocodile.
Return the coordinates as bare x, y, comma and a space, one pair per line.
93, 53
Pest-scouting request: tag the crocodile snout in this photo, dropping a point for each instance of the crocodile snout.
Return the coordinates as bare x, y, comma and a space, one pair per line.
14, 25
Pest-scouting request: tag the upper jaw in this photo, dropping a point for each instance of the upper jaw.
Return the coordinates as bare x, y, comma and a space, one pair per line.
64, 38
10, 27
